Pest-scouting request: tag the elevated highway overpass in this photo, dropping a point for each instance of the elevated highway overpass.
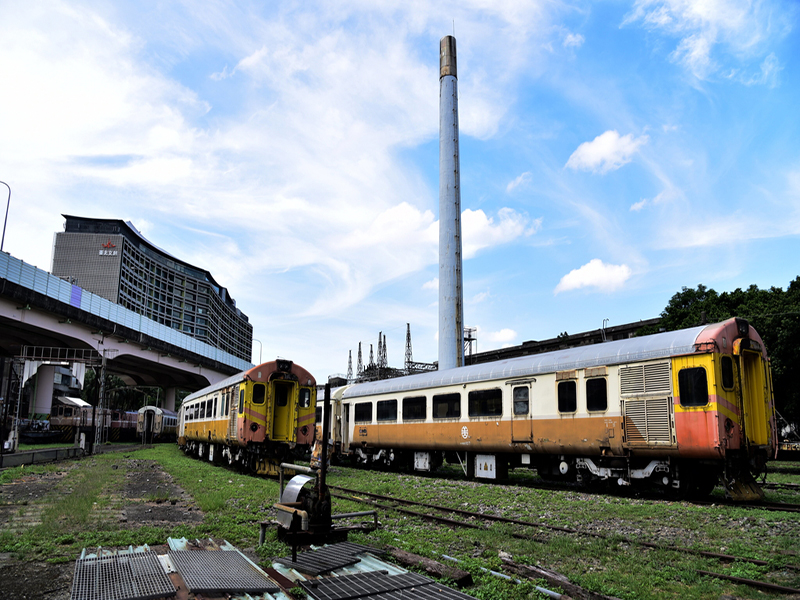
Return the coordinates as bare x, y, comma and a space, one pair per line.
39, 309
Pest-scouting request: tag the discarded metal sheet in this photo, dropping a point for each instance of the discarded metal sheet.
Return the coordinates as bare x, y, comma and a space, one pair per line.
205, 571
379, 585
327, 558
129, 576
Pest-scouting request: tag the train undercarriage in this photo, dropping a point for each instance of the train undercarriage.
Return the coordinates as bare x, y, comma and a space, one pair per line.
682, 478
262, 459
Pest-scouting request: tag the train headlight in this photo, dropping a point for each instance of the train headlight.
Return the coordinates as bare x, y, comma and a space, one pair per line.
742, 328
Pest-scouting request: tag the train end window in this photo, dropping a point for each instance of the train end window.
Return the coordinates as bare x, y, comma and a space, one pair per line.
567, 396
447, 406
305, 398
414, 408
521, 400
259, 393
387, 410
693, 386
726, 363
486, 403
596, 395
363, 412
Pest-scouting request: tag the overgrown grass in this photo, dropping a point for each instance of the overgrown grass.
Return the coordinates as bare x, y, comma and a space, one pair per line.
234, 505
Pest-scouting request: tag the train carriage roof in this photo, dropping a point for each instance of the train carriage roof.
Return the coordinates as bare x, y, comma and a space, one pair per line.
660, 345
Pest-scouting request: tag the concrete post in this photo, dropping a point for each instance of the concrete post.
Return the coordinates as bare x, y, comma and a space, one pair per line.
169, 400
44, 389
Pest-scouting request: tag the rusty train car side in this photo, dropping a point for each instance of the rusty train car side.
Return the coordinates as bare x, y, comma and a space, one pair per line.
679, 409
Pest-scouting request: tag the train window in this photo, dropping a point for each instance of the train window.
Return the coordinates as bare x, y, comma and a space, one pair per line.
209, 406
281, 395
447, 406
305, 398
521, 401
318, 415
216, 406
259, 393
727, 372
202, 414
414, 408
567, 396
693, 386
596, 394
241, 401
387, 410
486, 403
363, 412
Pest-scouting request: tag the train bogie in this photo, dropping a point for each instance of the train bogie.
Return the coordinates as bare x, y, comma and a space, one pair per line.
676, 409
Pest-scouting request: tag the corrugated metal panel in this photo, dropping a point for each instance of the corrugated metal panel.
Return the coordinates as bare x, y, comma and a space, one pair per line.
27, 275
40, 280
64, 291
660, 345
4, 260
13, 270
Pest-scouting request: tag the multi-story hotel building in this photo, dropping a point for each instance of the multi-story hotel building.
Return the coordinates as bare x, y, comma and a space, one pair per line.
112, 259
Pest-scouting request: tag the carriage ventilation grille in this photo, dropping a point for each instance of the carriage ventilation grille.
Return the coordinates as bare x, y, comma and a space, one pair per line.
651, 378
647, 421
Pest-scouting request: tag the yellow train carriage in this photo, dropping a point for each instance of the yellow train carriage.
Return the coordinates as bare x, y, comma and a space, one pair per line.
254, 419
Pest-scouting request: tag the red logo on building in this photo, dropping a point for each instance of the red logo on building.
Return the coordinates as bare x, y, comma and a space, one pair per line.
108, 244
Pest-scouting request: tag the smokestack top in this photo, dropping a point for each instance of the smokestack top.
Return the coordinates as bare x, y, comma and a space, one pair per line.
447, 56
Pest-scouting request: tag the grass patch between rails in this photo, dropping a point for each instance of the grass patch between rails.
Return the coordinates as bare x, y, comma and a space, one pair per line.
234, 504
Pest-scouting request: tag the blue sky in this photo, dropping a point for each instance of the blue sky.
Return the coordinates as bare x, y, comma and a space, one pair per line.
611, 153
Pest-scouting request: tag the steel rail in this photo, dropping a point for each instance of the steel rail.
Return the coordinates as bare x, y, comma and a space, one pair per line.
499, 519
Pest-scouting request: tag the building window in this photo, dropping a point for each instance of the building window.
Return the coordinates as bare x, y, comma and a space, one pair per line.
387, 410
447, 406
567, 396
486, 403
521, 402
693, 386
414, 408
363, 412
596, 394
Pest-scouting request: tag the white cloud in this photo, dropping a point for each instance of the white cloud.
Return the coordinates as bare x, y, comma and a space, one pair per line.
734, 30
479, 231
433, 284
595, 274
505, 335
573, 40
607, 152
523, 178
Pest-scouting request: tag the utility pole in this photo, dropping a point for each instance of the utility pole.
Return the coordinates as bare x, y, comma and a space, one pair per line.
409, 356
350, 366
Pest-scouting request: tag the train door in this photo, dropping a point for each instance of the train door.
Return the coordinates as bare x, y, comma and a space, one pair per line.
755, 398
158, 425
521, 421
147, 433
282, 416
345, 427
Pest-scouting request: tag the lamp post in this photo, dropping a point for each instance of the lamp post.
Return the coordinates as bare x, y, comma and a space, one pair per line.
260, 348
8, 203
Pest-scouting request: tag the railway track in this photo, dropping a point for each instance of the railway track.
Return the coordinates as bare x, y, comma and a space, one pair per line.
399, 504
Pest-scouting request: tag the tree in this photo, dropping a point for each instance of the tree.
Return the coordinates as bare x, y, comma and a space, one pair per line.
774, 313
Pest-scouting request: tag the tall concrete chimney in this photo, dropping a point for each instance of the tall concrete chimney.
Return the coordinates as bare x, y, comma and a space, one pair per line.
451, 302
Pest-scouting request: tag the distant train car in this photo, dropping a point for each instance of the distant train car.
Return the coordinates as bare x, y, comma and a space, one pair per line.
123, 425
680, 409
155, 424
73, 415
254, 419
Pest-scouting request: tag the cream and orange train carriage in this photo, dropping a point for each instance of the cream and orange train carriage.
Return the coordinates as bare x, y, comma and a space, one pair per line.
678, 409
255, 418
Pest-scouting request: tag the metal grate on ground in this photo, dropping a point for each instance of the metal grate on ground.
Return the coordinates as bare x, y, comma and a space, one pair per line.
228, 571
132, 576
379, 585
321, 561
